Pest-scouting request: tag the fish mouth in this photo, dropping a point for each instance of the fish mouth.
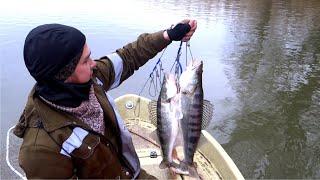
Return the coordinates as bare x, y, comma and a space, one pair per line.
195, 64
170, 78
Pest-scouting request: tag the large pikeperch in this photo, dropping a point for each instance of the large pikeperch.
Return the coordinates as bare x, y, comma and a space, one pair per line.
192, 107
168, 115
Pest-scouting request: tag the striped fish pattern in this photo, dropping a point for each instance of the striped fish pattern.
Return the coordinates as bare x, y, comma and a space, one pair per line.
191, 96
179, 113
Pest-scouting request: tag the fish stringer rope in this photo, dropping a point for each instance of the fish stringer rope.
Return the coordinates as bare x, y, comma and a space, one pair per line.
154, 78
188, 48
177, 64
154, 84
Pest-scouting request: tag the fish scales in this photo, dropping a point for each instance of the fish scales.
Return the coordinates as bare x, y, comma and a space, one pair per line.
191, 123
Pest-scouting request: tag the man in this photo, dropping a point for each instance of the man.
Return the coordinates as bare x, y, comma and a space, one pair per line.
70, 127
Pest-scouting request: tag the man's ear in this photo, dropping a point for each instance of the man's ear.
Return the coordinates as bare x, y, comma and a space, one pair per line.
70, 79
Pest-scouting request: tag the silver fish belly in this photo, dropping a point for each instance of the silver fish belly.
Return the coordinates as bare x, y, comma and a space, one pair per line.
168, 114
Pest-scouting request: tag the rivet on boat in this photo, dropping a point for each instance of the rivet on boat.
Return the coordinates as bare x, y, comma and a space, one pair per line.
129, 104
153, 154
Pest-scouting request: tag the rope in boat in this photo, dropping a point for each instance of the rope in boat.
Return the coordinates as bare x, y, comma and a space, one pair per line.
147, 139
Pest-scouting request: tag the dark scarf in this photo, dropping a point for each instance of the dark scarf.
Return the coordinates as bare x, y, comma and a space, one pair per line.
63, 94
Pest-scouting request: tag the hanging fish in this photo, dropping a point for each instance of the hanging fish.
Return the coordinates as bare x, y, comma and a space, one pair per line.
191, 94
181, 111
168, 115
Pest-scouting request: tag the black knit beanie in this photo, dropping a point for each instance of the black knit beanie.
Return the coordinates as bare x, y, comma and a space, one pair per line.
53, 50
51, 54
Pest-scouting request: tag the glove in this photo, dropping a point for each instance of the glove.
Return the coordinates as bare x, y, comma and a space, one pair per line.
178, 32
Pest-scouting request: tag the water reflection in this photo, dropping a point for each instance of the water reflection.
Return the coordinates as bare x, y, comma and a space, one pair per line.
277, 80
261, 68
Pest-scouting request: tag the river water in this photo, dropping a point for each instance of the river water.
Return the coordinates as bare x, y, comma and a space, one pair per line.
261, 69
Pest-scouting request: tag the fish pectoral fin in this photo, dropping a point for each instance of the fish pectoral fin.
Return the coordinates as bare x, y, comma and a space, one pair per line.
178, 114
175, 156
193, 89
189, 91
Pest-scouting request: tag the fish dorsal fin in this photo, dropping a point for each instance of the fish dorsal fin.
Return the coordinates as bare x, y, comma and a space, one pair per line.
206, 117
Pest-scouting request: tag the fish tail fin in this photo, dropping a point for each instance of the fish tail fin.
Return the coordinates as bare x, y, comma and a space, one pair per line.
164, 164
174, 165
186, 169
175, 154
193, 172
182, 168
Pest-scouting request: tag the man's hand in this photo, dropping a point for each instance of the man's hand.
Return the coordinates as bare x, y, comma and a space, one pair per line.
183, 31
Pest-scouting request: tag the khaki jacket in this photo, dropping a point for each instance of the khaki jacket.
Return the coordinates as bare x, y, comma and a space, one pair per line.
45, 130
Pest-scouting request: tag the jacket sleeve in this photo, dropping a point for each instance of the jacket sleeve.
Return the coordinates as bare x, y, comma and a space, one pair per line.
132, 56
38, 162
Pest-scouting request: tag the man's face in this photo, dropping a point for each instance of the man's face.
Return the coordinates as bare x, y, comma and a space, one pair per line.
83, 71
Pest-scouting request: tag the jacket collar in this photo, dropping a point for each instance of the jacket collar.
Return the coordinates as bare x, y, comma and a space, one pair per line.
51, 118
